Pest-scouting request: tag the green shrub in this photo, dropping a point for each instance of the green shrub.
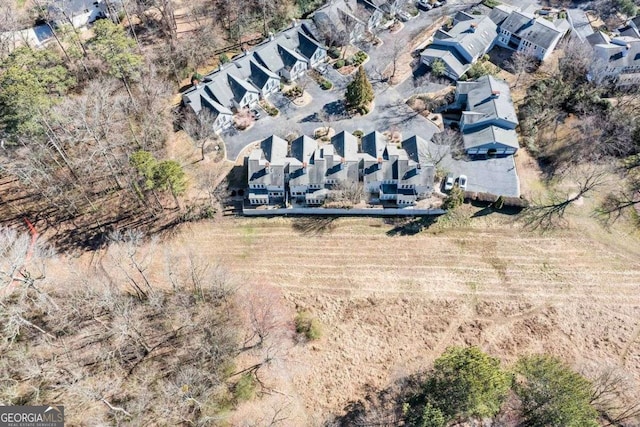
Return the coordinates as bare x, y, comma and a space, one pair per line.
270, 109
358, 133
294, 92
308, 326
334, 52
326, 84
224, 58
245, 388
358, 58
491, 3
339, 63
454, 199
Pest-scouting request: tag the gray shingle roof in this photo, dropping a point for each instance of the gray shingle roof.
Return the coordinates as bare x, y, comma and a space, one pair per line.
239, 87
374, 144
475, 36
620, 53
289, 56
307, 46
272, 150
302, 148
449, 56
346, 145
260, 75
488, 135
275, 149
538, 31
499, 13
488, 99
417, 148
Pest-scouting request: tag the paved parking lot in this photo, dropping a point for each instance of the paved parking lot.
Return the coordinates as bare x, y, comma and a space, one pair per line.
496, 176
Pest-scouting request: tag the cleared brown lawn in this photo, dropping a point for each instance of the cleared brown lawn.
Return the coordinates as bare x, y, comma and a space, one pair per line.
390, 305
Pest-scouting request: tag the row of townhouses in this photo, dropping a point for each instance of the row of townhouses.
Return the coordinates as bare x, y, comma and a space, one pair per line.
617, 56
306, 172
347, 21
471, 36
255, 74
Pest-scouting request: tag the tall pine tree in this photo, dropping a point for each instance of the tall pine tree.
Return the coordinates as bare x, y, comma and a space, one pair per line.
359, 92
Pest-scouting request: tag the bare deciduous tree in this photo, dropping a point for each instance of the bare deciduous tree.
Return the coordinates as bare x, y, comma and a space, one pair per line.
550, 212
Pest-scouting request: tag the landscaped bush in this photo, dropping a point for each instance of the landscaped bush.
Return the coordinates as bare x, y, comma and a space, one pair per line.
223, 58
270, 109
326, 84
308, 325
294, 92
358, 133
491, 3
334, 52
339, 63
359, 58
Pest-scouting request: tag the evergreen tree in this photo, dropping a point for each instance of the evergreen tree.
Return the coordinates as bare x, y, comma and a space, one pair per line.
438, 68
467, 382
31, 80
553, 395
359, 92
112, 45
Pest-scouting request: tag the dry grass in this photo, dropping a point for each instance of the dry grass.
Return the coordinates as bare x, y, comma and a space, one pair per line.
390, 305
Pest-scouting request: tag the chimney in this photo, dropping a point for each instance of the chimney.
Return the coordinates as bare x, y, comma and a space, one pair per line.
294, 23
380, 160
495, 94
473, 27
625, 52
270, 36
267, 169
304, 167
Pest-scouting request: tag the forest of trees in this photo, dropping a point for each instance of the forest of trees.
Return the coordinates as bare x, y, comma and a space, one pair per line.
75, 113
604, 137
141, 336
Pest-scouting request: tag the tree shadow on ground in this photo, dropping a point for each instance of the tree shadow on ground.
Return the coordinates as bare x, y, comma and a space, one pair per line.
409, 227
314, 225
380, 407
336, 109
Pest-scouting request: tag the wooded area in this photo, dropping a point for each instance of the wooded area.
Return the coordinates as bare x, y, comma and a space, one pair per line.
73, 114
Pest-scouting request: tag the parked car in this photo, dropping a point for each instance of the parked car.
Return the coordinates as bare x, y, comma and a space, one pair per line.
437, 4
403, 16
448, 182
462, 182
256, 114
424, 4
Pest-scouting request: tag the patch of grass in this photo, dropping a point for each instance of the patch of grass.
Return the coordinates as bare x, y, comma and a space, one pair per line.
245, 388
491, 3
326, 84
308, 325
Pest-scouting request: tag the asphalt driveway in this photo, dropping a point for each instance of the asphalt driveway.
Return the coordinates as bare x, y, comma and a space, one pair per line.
390, 113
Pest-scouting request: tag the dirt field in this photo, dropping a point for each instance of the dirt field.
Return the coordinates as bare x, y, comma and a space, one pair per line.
390, 305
